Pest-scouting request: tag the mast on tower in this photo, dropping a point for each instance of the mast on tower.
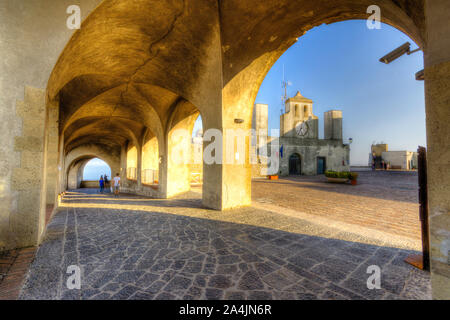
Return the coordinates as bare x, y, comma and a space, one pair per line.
284, 97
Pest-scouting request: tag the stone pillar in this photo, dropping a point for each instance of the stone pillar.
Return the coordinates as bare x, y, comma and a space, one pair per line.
123, 165
62, 173
212, 172
437, 97
139, 167
28, 179
52, 151
227, 184
74, 175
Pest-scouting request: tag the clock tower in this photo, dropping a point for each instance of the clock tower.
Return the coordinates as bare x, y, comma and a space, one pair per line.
299, 121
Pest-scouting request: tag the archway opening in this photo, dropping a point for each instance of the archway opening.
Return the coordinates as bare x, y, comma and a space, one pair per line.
132, 162
96, 168
196, 158
184, 165
337, 101
150, 160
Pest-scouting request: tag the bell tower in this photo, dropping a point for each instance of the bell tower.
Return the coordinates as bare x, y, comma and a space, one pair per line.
298, 110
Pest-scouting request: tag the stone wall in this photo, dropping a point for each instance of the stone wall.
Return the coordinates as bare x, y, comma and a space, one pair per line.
334, 152
437, 97
33, 35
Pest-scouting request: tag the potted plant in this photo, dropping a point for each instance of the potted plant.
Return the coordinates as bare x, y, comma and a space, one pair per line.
353, 176
337, 177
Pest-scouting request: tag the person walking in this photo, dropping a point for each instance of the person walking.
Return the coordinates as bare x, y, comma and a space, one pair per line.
106, 182
102, 184
116, 185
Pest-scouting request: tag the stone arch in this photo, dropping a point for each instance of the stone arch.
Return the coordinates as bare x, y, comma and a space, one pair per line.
178, 137
77, 158
132, 161
267, 30
150, 158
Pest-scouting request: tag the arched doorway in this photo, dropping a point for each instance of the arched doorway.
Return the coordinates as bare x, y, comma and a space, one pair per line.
295, 164
96, 168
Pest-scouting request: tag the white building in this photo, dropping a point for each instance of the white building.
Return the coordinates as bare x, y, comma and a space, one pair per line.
403, 160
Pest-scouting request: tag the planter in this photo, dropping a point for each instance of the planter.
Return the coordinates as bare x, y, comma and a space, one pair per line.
337, 180
354, 182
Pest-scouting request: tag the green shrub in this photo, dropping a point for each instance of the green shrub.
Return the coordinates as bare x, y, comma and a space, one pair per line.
335, 174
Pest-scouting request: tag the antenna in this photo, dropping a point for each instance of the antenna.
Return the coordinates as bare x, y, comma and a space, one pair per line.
284, 85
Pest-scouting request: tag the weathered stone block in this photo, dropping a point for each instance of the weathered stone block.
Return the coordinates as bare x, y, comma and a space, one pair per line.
30, 160
34, 101
33, 127
25, 178
35, 144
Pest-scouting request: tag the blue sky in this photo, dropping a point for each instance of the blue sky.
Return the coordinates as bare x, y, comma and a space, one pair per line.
96, 168
337, 67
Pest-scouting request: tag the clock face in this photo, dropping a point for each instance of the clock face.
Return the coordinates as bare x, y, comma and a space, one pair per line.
302, 129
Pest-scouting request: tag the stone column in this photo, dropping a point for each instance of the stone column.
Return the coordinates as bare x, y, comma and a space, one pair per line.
139, 167
437, 99
227, 184
62, 173
28, 179
123, 165
52, 151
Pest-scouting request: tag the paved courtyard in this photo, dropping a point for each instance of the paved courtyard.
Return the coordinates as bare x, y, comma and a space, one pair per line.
139, 248
382, 200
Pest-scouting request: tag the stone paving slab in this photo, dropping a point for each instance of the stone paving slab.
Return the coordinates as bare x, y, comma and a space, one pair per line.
139, 248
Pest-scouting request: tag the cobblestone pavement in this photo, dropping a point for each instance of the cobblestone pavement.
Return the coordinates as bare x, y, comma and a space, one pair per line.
382, 200
140, 248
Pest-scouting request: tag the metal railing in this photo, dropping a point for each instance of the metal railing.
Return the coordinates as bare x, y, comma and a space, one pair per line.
132, 173
196, 178
150, 176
